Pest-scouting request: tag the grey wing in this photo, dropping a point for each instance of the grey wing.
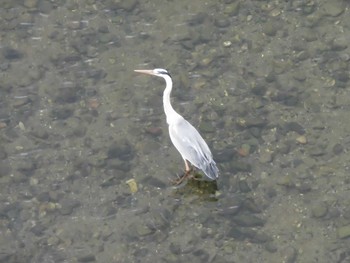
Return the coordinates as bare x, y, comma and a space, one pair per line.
192, 147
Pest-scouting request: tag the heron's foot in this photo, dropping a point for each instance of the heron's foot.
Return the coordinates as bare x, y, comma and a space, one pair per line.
186, 175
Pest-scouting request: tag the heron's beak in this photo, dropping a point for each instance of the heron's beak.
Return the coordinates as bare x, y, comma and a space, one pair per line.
144, 71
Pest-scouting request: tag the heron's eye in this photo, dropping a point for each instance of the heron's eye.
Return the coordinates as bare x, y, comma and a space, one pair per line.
164, 72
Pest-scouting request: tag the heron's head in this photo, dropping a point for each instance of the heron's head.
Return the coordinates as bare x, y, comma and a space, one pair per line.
159, 72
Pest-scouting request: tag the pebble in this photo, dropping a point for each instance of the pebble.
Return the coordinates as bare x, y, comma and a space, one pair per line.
40, 132
343, 231
61, 113
301, 139
11, 53
289, 255
222, 22
270, 28
275, 12
154, 181
19, 102
45, 7
121, 149
119, 165
286, 180
319, 210
271, 247
38, 229
161, 218
30, 3
125, 5
339, 43
244, 150
238, 166
142, 229
243, 186
67, 94
252, 122
266, 157
251, 206
248, 220
5, 169
230, 205
87, 258
294, 126
333, 8
149, 145
132, 185
206, 126
232, 9
155, 131
3, 154
25, 166
338, 149
317, 150
68, 205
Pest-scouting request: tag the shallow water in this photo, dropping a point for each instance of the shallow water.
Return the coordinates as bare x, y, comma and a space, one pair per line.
265, 82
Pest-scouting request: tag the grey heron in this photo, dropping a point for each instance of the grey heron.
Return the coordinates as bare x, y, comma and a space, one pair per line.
183, 135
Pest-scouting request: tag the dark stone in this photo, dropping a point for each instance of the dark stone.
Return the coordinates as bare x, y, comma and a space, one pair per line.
222, 22
123, 5
294, 126
270, 28
248, 220
338, 149
175, 249
38, 230
3, 153
241, 234
10, 210
342, 76
259, 89
243, 186
271, 247
40, 133
68, 205
45, 7
289, 255
252, 122
67, 94
287, 98
251, 206
238, 166
151, 180
255, 131
305, 187
140, 253
62, 113
285, 147
121, 150
26, 166
224, 155
198, 19
260, 238
119, 165
161, 218
87, 258
43, 197
202, 255
11, 53
21, 101
5, 168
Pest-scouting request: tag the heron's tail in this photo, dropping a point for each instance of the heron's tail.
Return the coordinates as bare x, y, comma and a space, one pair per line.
211, 170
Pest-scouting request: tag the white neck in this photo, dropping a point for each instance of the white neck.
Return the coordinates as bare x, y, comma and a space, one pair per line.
171, 114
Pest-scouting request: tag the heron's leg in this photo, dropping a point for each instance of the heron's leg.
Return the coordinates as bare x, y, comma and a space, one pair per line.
186, 175
187, 167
